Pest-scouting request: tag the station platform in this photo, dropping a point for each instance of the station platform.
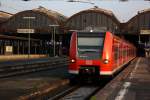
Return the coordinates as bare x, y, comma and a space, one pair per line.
12, 60
21, 57
131, 85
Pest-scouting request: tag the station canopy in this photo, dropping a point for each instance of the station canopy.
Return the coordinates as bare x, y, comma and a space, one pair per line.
98, 18
39, 20
139, 24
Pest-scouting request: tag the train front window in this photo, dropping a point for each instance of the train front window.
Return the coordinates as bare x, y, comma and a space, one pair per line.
90, 46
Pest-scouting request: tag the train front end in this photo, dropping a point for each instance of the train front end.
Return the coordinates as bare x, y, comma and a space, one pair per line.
86, 53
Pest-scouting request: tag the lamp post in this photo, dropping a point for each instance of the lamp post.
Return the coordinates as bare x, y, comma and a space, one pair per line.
139, 38
29, 31
53, 37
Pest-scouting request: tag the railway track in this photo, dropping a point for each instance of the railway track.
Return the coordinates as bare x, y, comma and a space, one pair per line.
61, 94
10, 70
79, 91
76, 93
82, 93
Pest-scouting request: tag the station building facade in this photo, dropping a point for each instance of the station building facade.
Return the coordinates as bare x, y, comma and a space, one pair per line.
95, 18
137, 30
42, 26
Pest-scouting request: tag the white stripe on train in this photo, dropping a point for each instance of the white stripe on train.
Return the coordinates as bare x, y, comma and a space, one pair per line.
103, 72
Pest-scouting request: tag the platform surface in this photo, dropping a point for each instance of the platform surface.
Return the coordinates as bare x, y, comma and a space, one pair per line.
134, 86
21, 59
137, 85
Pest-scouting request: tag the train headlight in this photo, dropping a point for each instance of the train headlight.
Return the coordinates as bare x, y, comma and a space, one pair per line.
73, 60
106, 61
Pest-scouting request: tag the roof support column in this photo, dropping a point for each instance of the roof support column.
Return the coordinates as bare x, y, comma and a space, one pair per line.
23, 47
18, 47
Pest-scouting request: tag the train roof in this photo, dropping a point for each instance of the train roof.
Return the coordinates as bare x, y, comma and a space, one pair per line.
91, 34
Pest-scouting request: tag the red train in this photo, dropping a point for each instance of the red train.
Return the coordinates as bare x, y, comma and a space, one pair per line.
98, 53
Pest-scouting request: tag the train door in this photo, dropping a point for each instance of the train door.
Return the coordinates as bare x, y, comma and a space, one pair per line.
116, 53
121, 53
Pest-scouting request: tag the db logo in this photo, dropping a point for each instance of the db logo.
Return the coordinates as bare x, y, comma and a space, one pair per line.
88, 62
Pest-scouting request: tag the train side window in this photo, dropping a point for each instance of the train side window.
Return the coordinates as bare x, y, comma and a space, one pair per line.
116, 52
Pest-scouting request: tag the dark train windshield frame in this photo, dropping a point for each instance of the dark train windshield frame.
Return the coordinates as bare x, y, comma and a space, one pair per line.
91, 34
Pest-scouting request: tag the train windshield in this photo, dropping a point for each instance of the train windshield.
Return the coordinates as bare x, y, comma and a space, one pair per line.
90, 45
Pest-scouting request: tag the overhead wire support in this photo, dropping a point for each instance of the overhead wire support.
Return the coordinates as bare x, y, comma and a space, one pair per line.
82, 1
